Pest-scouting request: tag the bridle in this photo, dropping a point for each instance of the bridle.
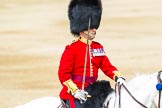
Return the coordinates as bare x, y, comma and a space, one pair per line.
159, 82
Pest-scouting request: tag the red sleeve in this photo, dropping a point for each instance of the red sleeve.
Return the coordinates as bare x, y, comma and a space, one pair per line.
66, 64
107, 67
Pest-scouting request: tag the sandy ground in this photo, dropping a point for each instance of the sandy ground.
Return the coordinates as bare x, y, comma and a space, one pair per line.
33, 34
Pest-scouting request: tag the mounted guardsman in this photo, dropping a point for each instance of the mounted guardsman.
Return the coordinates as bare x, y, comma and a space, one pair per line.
81, 59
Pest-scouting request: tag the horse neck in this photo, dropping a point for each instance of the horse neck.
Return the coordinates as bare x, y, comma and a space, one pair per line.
142, 88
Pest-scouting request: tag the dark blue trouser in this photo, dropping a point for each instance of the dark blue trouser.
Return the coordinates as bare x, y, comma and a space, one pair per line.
77, 103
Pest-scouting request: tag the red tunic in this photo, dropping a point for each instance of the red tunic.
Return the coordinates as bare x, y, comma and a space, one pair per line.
72, 64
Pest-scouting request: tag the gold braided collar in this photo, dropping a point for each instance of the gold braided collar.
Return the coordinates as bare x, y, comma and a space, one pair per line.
84, 40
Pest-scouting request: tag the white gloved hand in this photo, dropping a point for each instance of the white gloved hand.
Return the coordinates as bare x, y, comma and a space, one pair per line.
81, 95
121, 81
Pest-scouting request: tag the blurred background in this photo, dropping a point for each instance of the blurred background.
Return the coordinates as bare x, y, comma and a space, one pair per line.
34, 33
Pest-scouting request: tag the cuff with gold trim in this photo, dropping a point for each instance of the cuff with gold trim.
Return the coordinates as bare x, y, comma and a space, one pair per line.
72, 87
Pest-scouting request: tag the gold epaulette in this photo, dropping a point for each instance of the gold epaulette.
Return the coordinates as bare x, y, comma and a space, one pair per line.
74, 40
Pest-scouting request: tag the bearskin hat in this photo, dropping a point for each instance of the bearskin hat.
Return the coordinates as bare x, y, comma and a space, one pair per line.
80, 11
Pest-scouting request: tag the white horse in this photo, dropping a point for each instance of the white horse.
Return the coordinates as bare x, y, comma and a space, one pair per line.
142, 87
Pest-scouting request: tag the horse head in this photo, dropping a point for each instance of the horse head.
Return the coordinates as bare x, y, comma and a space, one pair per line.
99, 92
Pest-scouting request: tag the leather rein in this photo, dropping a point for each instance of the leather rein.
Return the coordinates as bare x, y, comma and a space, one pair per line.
119, 92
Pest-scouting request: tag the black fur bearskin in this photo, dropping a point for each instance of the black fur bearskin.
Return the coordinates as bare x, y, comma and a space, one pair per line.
80, 11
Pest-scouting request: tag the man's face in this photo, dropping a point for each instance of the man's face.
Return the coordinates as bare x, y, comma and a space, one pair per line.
92, 33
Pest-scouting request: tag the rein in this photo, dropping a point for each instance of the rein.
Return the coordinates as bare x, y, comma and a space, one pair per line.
119, 90
160, 82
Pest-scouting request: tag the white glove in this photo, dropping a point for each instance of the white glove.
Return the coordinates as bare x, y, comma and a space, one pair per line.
81, 95
121, 81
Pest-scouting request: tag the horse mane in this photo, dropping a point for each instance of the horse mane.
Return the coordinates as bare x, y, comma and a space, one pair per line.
99, 92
